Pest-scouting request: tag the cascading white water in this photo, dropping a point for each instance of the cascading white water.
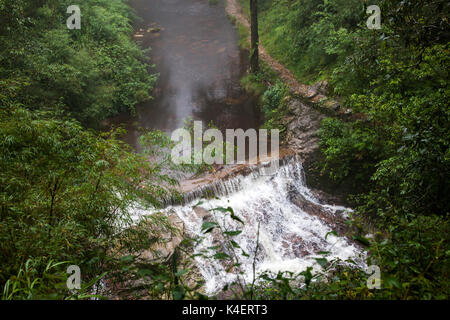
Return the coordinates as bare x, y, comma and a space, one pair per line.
289, 237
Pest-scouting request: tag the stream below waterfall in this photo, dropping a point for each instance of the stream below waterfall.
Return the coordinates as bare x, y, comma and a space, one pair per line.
195, 49
294, 226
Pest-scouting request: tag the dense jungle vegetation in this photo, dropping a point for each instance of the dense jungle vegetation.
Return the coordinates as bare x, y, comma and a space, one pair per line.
394, 150
66, 189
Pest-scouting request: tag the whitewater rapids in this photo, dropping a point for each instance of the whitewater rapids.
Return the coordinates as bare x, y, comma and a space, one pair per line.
289, 238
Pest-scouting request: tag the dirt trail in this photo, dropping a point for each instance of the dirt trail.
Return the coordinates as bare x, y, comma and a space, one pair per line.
312, 93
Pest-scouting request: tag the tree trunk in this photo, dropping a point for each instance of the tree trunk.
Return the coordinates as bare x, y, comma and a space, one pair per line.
254, 52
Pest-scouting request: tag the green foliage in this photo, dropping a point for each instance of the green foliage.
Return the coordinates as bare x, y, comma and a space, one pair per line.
349, 150
92, 73
413, 261
397, 81
29, 284
243, 36
394, 149
272, 97
252, 84
274, 106
272, 92
404, 140
412, 258
66, 194
415, 258
301, 34
32, 284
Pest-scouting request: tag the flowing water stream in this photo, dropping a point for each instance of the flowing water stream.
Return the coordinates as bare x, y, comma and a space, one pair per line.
194, 47
294, 226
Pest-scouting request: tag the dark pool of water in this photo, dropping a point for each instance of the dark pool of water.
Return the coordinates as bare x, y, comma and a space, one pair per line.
195, 49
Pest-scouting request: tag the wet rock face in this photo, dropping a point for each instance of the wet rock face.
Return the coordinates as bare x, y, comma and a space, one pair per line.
203, 214
336, 220
320, 87
171, 240
307, 206
302, 123
296, 246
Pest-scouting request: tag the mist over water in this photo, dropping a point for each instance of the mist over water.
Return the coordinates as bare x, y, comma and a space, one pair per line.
194, 47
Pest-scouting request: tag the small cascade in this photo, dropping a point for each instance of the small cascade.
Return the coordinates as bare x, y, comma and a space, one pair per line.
293, 225
225, 187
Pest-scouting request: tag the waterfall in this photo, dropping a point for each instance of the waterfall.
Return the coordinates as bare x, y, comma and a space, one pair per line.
293, 224
225, 187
